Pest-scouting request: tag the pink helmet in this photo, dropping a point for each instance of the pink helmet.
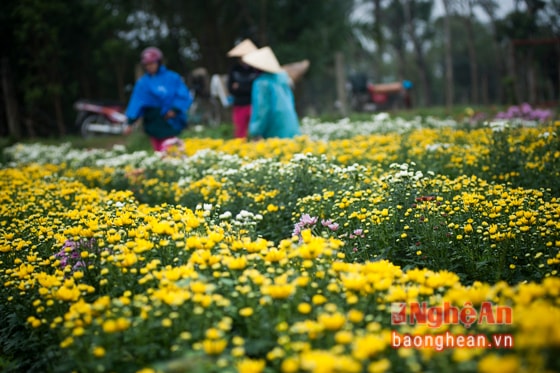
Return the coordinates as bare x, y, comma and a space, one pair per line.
151, 54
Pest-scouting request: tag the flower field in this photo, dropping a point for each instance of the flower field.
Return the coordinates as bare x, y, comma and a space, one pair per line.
284, 255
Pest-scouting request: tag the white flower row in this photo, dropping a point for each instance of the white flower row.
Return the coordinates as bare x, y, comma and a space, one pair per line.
380, 123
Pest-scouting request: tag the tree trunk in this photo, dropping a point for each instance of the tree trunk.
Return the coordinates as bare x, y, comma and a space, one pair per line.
558, 72
401, 61
419, 55
10, 101
531, 78
488, 7
484, 89
397, 41
211, 48
85, 78
377, 22
119, 75
340, 82
498, 60
472, 53
449, 88
263, 40
515, 94
59, 115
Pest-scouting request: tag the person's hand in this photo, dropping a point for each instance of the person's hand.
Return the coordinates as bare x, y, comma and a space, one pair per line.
170, 114
127, 130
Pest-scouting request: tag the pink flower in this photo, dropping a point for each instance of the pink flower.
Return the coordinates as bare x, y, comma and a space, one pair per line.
297, 230
307, 219
168, 144
330, 224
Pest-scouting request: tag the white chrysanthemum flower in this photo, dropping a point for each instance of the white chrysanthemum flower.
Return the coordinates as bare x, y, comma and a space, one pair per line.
498, 125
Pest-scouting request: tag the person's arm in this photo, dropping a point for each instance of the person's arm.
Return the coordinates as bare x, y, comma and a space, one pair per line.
231, 83
260, 108
179, 99
135, 104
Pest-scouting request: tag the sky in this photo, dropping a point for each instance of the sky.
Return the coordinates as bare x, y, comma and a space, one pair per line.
365, 13
505, 6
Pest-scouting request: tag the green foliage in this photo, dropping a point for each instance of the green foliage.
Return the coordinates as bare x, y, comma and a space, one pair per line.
139, 286
525, 158
19, 343
223, 131
415, 221
161, 285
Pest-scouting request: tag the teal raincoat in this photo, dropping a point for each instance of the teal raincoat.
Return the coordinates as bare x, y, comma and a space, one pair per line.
273, 110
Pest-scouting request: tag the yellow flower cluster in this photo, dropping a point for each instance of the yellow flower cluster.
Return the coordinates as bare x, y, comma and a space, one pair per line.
172, 276
116, 283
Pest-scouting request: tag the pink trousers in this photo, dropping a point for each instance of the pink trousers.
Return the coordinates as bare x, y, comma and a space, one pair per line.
241, 116
157, 144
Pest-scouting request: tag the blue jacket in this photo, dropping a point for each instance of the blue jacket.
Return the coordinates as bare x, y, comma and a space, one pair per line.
153, 96
273, 110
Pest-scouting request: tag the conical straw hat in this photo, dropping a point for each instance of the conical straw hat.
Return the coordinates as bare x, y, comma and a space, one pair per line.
241, 49
263, 59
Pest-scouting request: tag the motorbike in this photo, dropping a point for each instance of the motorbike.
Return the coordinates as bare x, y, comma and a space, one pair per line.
105, 118
98, 117
367, 96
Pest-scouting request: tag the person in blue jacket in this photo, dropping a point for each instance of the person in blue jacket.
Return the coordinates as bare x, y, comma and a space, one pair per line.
272, 101
161, 98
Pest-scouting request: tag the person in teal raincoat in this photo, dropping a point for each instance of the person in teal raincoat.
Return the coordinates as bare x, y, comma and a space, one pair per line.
272, 101
161, 98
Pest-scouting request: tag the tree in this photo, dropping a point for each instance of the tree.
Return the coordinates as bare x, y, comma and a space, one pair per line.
449, 87
377, 28
519, 25
490, 7
551, 20
104, 56
39, 35
60, 51
10, 105
465, 8
396, 24
417, 14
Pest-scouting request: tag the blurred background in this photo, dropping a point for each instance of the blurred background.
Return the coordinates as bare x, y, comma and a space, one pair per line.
449, 52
